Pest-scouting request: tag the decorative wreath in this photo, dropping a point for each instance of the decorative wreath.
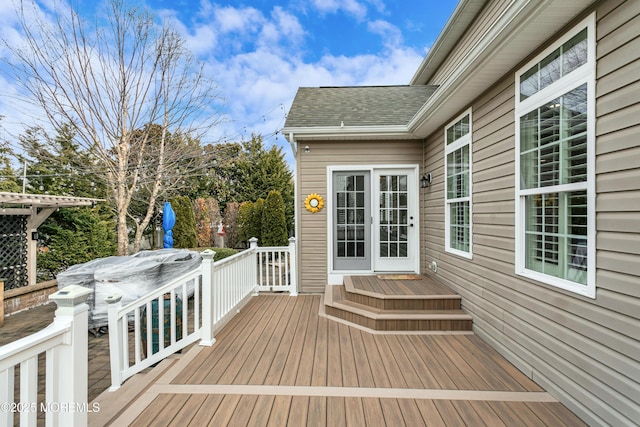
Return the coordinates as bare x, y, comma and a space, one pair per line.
314, 203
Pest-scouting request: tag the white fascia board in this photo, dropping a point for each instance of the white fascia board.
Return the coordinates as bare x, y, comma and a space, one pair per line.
458, 22
349, 132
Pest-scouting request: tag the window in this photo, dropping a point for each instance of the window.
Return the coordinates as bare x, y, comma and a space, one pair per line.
458, 186
555, 197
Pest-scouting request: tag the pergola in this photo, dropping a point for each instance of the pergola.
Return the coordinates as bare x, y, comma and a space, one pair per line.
36, 208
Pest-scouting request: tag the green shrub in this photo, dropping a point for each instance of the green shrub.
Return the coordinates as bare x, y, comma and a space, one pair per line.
255, 225
244, 222
222, 253
184, 231
274, 221
74, 236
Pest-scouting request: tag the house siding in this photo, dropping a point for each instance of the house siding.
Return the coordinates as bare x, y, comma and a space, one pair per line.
312, 169
584, 351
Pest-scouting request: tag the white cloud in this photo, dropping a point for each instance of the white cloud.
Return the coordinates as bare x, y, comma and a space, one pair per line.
351, 7
232, 20
391, 35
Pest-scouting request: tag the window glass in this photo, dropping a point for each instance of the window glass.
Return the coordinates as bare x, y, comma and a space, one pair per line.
458, 186
555, 189
559, 63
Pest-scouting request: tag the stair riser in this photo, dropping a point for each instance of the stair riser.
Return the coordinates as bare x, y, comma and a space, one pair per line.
443, 325
444, 303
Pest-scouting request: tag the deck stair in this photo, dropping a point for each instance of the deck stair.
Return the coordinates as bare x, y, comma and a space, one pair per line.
397, 303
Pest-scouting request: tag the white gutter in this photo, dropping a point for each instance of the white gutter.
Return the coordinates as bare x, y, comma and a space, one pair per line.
351, 132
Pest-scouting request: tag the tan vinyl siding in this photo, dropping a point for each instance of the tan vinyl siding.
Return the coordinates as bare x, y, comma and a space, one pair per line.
585, 351
312, 169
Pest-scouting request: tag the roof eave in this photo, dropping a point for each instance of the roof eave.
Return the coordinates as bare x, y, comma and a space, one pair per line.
462, 16
520, 30
342, 133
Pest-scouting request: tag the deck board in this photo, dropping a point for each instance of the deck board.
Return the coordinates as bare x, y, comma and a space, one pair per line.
293, 359
426, 355
225, 411
261, 411
347, 359
421, 287
298, 412
363, 367
317, 412
320, 358
336, 412
373, 415
276, 368
188, 411
279, 362
394, 372
410, 413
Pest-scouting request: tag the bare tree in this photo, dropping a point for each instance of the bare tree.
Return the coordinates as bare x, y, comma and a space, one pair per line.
131, 91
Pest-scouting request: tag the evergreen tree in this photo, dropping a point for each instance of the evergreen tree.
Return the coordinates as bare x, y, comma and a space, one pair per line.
71, 235
262, 171
274, 223
245, 213
255, 225
8, 179
184, 231
75, 236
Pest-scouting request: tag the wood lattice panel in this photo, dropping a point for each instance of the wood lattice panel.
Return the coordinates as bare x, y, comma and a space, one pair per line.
13, 251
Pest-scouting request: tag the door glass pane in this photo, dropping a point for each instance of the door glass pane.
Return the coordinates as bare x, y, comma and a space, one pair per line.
350, 216
393, 212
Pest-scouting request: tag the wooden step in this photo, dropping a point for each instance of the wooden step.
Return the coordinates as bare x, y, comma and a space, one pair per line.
339, 303
442, 299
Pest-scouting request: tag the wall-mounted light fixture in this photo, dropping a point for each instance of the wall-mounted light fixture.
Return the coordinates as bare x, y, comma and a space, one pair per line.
425, 180
307, 149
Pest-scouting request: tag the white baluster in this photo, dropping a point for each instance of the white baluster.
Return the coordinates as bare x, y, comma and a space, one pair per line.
293, 270
208, 320
115, 338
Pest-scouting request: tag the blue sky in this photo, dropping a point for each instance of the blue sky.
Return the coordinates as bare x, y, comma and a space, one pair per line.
259, 52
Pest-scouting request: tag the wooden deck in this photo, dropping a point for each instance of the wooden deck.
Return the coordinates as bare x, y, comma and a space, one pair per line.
279, 362
398, 285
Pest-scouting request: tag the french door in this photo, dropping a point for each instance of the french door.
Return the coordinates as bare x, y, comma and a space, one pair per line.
375, 225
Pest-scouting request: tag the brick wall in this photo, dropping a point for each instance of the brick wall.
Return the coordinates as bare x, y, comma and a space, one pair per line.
26, 297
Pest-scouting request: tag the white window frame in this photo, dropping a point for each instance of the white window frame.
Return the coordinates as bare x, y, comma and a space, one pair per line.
465, 140
585, 74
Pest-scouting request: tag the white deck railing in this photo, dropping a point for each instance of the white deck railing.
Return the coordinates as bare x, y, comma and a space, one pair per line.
276, 268
65, 344
193, 307
153, 327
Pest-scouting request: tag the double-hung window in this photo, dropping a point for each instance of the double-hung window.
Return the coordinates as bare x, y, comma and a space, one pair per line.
458, 206
555, 138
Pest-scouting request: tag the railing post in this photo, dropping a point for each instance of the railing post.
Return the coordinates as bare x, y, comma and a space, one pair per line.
208, 307
253, 245
71, 360
115, 340
293, 268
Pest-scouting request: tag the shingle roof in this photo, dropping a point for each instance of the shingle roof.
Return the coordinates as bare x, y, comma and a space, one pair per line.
356, 105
